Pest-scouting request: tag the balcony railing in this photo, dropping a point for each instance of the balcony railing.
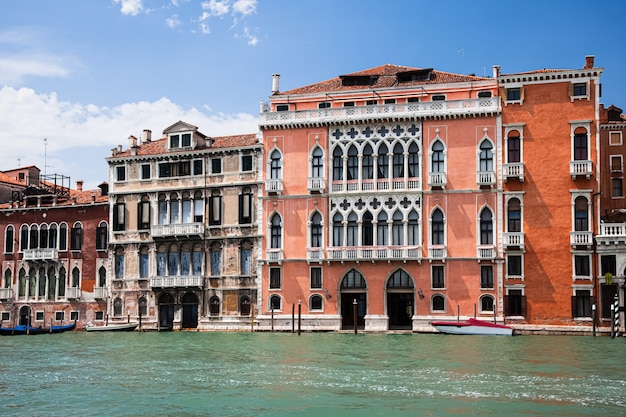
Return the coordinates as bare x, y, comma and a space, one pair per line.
273, 185
176, 281
580, 169
317, 185
314, 254
366, 253
6, 294
396, 184
580, 238
72, 293
486, 252
437, 252
184, 229
274, 255
41, 255
611, 233
382, 112
100, 293
514, 240
437, 179
514, 170
485, 178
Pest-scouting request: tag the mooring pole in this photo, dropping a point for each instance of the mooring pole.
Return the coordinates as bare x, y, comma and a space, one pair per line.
272, 320
354, 314
593, 318
299, 316
293, 318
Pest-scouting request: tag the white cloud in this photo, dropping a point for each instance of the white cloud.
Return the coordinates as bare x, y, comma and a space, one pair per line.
245, 7
204, 28
79, 136
216, 7
172, 22
130, 7
14, 69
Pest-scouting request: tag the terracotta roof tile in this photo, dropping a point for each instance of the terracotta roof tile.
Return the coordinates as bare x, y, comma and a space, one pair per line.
384, 76
8, 180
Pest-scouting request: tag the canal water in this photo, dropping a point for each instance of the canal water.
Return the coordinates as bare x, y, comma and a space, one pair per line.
327, 374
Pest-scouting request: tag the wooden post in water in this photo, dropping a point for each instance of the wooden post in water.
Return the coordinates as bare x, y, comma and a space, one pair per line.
299, 313
354, 315
139, 319
474, 310
272, 320
458, 313
252, 319
293, 318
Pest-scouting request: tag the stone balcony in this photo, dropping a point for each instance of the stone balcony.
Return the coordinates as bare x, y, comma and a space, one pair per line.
513, 171
317, 185
437, 179
6, 294
485, 178
372, 114
612, 234
580, 169
486, 252
381, 184
41, 255
274, 255
581, 238
372, 253
100, 293
73, 293
437, 252
183, 229
513, 240
273, 186
177, 281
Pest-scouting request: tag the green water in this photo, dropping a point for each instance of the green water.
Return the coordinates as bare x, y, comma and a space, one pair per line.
283, 374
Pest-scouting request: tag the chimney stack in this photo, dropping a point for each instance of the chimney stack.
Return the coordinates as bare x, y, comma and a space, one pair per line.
79, 185
275, 82
589, 62
496, 71
146, 136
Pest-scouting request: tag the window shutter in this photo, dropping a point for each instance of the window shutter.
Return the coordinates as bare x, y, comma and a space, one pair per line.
521, 93
506, 305
523, 305
570, 89
574, 312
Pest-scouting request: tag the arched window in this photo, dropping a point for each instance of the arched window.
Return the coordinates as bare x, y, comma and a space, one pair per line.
76, 236
352, 230
276, 165
143, 307
245, 206
185, 259
337, 229
317, 163
514, 154
8, 239
382, 229
143, 213
173, 260
276, 231
353, 163
101, 235
33, 240
75, 278
102, 277
52, 236
438, 303
144, 262
214, 306
163, 212
245, 257
275, 302
119, 263
486, 303
244, 305
62, 281
413, 235
486, 227
400, 279
337, 164
437, 228
8, 279
581, 216
23, 238
117, 307
580, 144
43, 236
486, 156
316, 230
63, 237
215, 208
367, 163
21, 283
316, 302
52, 284
187, 209
414, 161
353, 279
398, 161
174, 209
514, 216
367, 229
216, 259
397, 229
383, 162
437, 157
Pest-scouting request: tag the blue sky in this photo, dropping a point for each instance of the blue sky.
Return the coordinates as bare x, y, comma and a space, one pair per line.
86, 74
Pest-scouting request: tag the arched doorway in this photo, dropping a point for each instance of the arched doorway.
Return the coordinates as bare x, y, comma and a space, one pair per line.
400, 300
353, 288
190, 310
166, 312
25, 318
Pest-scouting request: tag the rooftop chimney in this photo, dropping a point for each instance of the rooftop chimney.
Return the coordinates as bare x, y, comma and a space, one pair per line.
589, 62
275, 81
496, 71
79, 185
132, 141
104, 188
146, 136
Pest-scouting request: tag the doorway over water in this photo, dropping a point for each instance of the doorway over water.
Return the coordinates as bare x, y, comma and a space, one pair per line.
400, 300
353, 290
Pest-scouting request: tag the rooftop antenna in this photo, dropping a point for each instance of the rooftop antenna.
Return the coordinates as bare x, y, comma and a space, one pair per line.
19, 162
45, 156
462, 52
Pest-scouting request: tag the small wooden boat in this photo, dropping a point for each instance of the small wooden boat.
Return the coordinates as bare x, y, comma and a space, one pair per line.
21, 329
111, 327
63, 328
472, 327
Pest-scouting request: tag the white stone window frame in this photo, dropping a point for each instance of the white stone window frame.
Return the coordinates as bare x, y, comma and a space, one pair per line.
180, 140
118, 169
514, 128
586, 96
511, 87
506, 266
508, 196
619, 134
575, 277
575, 124
588, 195
620, 158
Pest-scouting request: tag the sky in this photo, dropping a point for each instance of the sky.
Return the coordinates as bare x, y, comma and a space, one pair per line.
78, 77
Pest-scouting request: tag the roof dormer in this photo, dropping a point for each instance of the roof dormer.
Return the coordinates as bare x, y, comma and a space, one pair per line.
184, 136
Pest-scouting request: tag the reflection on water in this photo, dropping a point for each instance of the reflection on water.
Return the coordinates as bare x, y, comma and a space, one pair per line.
278, 374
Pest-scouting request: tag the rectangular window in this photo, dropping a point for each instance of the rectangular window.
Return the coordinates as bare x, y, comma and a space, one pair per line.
216, 262
514, 265
196, 263
513, 94
615, 138
437, 276
515, 303
413, 100
316, 277
617, 187
371, 102
484, 94
348, 104
216, 166
144, 265
246, 163
486, 276
99, 315
323, 105
6, 316
608, 264
245, 208
174, 141
282, 107
143, 215
186, 139
101, 237
198, 167
581, 304
390, 101
580, 148
146, 171
438, 97
74, 315
119, 266
59, 315
580, 89
581, 266
39, 316
120, 173
274, 278
616, 163
215, 210
119, 221
246, 261
165, 170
